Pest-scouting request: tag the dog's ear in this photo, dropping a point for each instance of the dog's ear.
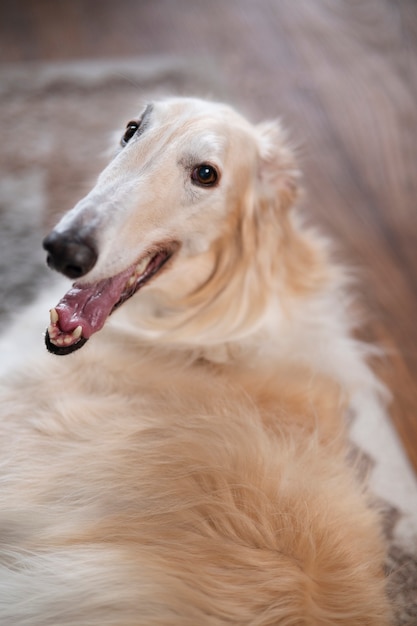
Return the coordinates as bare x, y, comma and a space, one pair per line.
278, 173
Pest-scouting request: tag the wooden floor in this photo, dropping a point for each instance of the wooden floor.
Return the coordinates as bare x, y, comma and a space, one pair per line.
342, 74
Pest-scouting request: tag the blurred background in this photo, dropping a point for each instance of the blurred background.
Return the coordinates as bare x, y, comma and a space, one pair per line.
341, 74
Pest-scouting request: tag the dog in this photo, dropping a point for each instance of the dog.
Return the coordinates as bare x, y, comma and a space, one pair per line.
180, 459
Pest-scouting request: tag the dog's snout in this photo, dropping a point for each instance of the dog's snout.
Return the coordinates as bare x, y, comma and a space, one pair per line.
69, 253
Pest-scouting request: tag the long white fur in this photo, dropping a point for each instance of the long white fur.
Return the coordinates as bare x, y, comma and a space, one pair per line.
188, 466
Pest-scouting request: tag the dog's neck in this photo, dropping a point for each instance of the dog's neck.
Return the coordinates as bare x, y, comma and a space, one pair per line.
285, 303
313, 332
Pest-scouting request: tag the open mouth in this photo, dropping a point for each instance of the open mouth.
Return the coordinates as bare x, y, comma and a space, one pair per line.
84, 308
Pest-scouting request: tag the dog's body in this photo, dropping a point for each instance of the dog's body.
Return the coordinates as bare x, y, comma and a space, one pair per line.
188, 465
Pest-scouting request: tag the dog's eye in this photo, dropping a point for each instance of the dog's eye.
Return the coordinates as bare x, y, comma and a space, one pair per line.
205, 175
131, 128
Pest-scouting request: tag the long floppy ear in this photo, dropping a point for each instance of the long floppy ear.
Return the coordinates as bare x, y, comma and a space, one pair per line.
278, 173
282, 249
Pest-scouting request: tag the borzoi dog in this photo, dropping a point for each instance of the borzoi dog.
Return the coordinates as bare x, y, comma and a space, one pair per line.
182, 461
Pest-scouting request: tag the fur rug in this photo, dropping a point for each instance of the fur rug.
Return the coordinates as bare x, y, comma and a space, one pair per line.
56, 122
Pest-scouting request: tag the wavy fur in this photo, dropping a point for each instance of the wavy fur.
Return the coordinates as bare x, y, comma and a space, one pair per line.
188, 465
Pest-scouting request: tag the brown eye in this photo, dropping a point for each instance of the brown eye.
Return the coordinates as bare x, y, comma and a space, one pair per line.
205, 175
131, 129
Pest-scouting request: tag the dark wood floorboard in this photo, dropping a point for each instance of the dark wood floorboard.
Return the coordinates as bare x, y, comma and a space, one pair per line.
343, 75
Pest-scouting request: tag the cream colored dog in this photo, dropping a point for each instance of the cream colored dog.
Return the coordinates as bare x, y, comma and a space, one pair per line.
187, 467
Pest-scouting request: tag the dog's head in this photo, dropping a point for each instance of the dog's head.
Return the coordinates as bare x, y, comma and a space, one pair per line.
193, 212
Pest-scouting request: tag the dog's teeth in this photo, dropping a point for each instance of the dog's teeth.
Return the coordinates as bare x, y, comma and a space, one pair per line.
139, 270
54, 316
53, 331
141, 267
67, 340
77, 332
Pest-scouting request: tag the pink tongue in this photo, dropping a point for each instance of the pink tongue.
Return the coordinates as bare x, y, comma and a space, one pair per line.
89, 306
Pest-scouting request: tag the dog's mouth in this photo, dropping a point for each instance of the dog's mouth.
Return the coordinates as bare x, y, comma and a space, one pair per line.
85, 308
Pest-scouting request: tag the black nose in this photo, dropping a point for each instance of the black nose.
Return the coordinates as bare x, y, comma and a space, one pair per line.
69, 253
